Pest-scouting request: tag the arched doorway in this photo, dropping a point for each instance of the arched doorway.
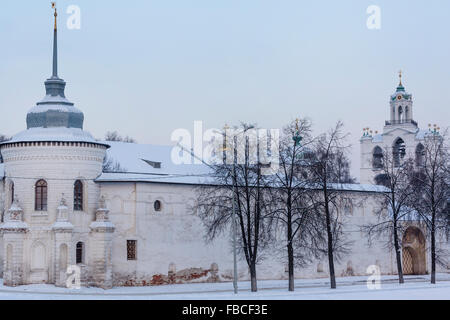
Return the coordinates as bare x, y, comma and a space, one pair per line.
413, 253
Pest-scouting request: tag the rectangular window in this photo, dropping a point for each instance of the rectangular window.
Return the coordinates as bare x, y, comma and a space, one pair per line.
131, 250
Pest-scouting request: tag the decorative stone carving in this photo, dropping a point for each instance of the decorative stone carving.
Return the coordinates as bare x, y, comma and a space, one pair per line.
14, 219
62, 223
102, 213
101, 257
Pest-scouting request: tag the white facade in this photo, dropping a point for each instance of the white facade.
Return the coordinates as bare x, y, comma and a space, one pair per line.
137, 227
59, 164
174, 237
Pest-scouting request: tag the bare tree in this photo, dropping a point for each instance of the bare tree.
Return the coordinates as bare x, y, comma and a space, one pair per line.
244, 184
291, 208
110, 165
394, 169
3, 138
327, 171
115, 136
432, 181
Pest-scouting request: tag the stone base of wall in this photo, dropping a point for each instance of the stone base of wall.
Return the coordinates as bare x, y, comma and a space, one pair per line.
191, 275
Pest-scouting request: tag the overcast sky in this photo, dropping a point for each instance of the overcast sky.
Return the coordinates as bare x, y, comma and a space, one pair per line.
146, 68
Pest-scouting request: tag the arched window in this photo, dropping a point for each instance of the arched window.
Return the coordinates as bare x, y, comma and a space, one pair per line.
41, 196
420, 155
157, 206
80, 253
399, 151
78, 196
12, 192
377, 158
406, 113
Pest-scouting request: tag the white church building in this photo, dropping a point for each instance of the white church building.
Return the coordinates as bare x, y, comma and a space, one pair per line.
134, 228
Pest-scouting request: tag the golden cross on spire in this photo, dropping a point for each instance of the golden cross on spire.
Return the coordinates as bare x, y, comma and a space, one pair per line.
296, 124
56, 13
400, 76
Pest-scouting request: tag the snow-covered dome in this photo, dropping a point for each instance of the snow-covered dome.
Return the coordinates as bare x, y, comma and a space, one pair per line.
54, 118
53, 135
55, 110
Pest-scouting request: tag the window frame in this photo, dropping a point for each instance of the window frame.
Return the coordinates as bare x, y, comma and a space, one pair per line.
12, 192
78, 196
79, 252
41, 196
157, 206
131, 250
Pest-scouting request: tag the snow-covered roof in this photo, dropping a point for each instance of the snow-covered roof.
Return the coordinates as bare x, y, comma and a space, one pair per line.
54, 107
13, 225
205, 179
189, 179
55, 99
421, 134
136, 158
377, 138
358, 187
53, 134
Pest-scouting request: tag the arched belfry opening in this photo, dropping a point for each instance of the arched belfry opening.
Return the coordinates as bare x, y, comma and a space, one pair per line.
400, 114
377, 158
420, 155
413, 252
399, 151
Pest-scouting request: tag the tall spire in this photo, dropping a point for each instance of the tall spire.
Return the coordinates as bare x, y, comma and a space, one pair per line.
55, 45
55, 85
54, 110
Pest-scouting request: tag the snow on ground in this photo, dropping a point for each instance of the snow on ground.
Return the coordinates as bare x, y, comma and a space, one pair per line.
349, 288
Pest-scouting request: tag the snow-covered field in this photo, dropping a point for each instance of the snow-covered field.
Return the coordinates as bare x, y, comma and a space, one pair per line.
416, 287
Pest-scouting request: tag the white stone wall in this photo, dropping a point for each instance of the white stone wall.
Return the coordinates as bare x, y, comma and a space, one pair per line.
173, 235
176, 236
2, 213
60, 166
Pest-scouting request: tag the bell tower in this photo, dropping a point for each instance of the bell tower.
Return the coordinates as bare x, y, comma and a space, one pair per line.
401, 107
401, 135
